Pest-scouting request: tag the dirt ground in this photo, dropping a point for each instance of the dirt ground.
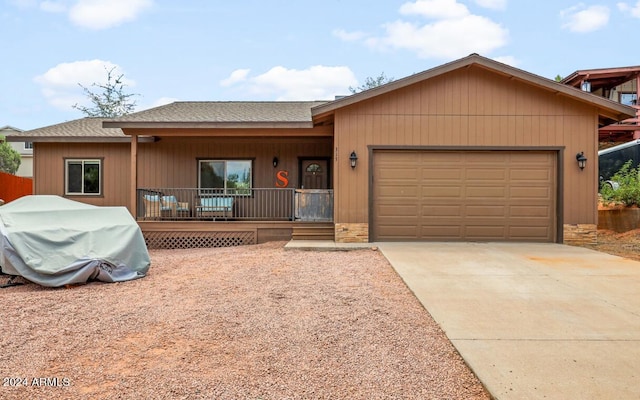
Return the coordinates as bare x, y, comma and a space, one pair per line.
253, 322
625, 244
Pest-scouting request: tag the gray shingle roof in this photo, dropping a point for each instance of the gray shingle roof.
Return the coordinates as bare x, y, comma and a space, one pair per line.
226, 112
79, 128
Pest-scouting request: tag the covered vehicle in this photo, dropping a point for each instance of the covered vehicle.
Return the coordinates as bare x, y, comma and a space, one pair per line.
54, 241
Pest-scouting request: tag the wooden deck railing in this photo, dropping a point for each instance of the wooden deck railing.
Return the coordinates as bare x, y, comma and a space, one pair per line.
255, 204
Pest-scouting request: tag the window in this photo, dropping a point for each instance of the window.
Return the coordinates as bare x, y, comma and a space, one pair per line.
629, 99
83, 177
28, 145
314, 168
225, 176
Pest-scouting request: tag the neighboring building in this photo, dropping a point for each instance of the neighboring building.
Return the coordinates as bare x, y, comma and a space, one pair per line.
24, 148
473, 150
618, 84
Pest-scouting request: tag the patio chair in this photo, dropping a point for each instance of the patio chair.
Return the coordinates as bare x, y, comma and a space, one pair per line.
151, 206
176, 209
215, 207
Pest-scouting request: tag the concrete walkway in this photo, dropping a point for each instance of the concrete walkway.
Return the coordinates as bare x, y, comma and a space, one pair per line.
533, 321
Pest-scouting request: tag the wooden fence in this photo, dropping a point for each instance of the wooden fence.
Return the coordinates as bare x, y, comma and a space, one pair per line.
13, 187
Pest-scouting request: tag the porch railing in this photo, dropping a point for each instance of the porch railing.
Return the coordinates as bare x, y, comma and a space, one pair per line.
255, 204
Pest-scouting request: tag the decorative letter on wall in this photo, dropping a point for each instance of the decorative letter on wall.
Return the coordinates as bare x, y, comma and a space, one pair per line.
282, 179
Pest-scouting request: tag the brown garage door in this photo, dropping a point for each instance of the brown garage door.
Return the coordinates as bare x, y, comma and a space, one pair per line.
464, 195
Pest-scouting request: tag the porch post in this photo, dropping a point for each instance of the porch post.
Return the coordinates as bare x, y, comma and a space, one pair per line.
134, 176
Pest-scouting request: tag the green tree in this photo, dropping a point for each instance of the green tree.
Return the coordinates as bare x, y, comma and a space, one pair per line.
112, 101
9, 158
558, 78
371, 83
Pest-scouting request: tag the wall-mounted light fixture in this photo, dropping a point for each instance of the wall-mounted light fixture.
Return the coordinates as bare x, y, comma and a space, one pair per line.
353, 159
582, 160
275, 162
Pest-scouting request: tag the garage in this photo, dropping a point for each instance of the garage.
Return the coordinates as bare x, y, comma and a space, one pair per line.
499, 195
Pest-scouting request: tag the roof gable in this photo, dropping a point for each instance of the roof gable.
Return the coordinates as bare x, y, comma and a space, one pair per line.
606, 108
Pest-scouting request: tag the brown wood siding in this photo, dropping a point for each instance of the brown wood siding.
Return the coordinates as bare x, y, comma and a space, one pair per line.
467, 108
172, 162
464, 195
48, 164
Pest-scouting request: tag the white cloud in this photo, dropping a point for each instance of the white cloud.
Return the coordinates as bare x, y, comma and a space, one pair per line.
24, 3
449, 38
581, 19
52, 7
509, 60
348, 36
236, 76
60, 83
452, 32
492, 4
91, 14
103, 14
435, 9
314, 83
633, 10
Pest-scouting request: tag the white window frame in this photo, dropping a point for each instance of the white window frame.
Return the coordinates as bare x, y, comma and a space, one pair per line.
82, 161
630, 94
225, 190
28, 145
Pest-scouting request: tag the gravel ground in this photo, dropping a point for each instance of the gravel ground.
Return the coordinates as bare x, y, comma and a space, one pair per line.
253, 322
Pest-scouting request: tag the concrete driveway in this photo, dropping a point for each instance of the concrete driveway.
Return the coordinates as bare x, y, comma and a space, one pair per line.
533, 321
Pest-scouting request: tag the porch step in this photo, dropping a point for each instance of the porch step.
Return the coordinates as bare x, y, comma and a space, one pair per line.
320, 231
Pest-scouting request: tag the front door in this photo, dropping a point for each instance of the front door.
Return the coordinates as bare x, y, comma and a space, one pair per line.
314, 174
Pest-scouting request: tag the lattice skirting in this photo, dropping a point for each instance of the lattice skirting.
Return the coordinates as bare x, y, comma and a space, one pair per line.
190, 240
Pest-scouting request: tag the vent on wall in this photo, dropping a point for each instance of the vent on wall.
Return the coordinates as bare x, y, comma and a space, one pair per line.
192, 240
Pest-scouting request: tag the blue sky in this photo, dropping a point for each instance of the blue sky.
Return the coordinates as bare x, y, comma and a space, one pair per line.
283, 50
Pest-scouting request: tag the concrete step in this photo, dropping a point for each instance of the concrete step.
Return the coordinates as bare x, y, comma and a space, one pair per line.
321, 231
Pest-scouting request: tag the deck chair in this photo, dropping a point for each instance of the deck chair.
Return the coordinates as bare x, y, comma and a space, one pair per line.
175, 207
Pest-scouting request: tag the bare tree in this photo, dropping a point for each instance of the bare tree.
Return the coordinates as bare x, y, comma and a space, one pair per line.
371, 83
112, 101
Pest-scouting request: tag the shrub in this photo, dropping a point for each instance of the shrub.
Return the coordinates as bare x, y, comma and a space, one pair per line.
628, 190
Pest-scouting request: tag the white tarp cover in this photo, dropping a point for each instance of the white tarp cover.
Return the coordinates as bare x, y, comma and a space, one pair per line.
54, 241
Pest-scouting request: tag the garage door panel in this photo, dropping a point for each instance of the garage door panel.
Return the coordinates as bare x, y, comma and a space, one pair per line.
441, 174
483, 232
441, 210
485, 210
487, 174
530, 174
399, 191
530, 192
464, 195
399, 210
485, 192
399, 231
440, 232
395, 173
540, 211
436, 192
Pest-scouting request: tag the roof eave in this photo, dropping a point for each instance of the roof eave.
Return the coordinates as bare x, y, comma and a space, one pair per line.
207, 125
75, 139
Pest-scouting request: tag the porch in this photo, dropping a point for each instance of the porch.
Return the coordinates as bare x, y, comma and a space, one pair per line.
196, 217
